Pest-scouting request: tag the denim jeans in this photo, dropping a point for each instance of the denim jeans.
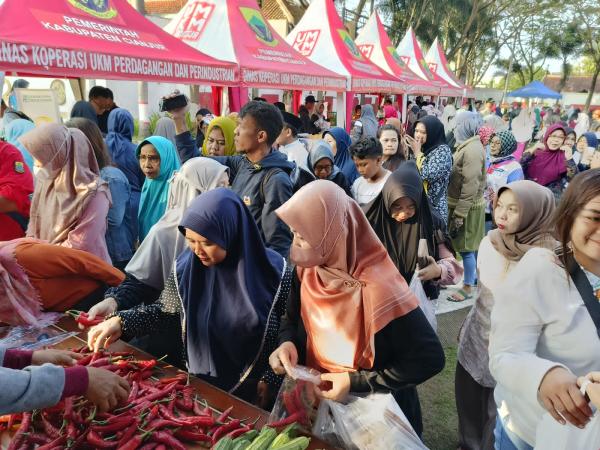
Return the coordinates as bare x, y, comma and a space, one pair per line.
470, 266
506, 439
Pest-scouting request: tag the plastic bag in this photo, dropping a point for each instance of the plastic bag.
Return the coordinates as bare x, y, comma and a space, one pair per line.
297, 397
428, 306
551, 435
31, 337
371, 423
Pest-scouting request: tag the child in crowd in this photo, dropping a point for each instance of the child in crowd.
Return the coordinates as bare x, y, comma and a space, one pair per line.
367, 154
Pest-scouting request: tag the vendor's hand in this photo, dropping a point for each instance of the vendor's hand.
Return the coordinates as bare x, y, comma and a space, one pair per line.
106, 389
58, 357
561, 397
340, 386
264, 396
284, 358
593, 389
105, 308
432, 271
568, 152
104, 334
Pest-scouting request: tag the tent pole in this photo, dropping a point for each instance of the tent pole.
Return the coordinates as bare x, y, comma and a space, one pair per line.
142, 88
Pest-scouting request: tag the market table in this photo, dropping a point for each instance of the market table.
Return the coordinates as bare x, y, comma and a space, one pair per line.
218, 399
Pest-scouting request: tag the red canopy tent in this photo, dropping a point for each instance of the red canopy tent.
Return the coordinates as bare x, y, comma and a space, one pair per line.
438, 64
410, 51
109, 39
321, 36
374, 42
236, 31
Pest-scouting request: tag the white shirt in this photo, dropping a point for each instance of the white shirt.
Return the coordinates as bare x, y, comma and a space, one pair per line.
296, 152
539, 321
365, 192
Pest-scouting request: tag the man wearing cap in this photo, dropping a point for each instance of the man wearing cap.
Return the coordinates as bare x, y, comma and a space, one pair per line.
310, 102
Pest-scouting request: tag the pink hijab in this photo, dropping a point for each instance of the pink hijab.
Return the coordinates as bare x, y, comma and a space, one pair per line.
390, 112
548, 165
71, 179
350, 288
485, 134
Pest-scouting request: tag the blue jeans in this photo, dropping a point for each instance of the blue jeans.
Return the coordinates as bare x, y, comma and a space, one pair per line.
470, 266
506, 439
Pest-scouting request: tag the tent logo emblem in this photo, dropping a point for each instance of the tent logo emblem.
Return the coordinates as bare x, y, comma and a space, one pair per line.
259, 26
350, 45
97, 8
306, 41
193, 20
367, 50
432, 67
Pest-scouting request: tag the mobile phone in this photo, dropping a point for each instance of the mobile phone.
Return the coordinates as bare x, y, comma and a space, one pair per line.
172, 103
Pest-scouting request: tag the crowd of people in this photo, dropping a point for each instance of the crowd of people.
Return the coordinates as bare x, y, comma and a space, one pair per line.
249, 245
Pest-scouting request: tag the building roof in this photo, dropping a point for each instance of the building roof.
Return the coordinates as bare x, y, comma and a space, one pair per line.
574, 84
290, 10
163, 6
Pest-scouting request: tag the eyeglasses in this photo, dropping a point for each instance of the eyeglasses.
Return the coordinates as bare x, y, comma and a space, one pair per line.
152, 159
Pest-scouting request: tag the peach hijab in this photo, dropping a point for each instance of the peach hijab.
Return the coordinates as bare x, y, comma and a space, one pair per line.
350, 288
69, 180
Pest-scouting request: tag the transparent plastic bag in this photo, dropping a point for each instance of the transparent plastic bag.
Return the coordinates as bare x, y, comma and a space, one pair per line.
296, 399
428, 306
31, 337
371, 423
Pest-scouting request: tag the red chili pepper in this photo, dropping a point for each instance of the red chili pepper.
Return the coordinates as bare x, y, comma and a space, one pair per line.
50, 429
289, 403
11, 420
196, 409
178, 378
134, 443
96, 356
129, 433
192, 436
153, 414
149, 446
98, 441
169, 440
162, 423
71, 432
38, 438
58, 442
225, 414
226, 428
115, 426
188, 403
19, 437
201, 421
156, 395
87, 322
85, 360
237, 433
298, 416
298, 396
161, 447
135, 387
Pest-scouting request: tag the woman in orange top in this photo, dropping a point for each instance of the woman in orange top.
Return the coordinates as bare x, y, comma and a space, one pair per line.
350, 314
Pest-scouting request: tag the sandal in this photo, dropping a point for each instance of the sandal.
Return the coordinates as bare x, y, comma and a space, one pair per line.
465, 296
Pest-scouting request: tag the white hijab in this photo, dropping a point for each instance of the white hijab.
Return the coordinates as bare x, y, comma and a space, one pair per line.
582, 125
153, 262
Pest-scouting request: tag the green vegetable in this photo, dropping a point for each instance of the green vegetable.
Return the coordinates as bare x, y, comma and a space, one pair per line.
264, 439
224, 444
300, 443
280, 441
241, 445
249, 436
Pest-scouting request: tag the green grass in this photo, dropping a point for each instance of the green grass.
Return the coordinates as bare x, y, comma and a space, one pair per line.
440, 423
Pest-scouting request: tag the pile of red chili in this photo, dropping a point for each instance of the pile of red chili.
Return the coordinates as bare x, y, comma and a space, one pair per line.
160, 414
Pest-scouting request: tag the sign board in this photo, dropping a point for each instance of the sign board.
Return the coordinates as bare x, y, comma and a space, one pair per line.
40, 105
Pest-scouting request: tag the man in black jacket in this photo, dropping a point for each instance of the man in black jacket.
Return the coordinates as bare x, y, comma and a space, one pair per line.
260, 175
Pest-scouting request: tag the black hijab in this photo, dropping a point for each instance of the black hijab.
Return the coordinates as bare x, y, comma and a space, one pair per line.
401, 240
435, 133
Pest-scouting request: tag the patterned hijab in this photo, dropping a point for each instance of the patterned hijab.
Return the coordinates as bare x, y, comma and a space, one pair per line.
485, 134
508, 144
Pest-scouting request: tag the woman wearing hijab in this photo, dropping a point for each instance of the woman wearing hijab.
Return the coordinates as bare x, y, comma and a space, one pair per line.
322, 165
200, 115
466, 204
367, 125
120, 233
70, 201
123, 154
485, 133
522, 212
340, 142
503, 169
225, 296
165, 127
158, 160
350, 313
494, 121
548, 166
16, 187
219, 140
401, 216
13, 131
393, 148
152, 263
434, 160
84, 109
587, 146
36, 276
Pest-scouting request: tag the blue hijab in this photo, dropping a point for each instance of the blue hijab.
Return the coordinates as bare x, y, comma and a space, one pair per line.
14, 130
153, 201
122, 150
84, 109
226, 306
342, 157
592, 140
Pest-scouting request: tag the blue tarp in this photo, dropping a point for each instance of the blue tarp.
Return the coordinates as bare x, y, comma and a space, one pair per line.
535, 89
